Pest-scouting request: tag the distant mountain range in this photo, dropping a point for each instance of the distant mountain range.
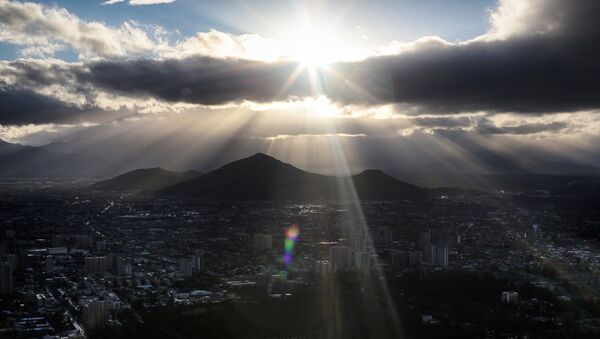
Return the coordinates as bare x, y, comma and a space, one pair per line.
27, 161
62, 159
104, 157
145, 179
261, 177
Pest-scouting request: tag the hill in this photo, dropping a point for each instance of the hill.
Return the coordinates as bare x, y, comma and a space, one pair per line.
261, 177
145, 179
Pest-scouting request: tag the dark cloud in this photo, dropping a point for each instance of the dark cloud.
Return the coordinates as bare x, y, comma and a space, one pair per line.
442, 122
527, 75
485, 126
550, 65
21, 106
199, 80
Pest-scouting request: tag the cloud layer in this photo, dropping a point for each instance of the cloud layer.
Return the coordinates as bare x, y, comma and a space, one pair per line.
539, 58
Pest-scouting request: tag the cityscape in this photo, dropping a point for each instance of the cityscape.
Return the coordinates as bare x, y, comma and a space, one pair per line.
80, 261
299, 169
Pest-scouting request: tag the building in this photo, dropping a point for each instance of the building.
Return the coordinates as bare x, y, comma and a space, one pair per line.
323, 267
262, 242
101, 245
415, 257
50, 264
6, 278
127, 269
120, 266
360, 243
116, 262
56, 251
33, 327
382, 236
536, 231
441, 255
185, 267
510, 297
13, 260
96, 313
340, 257
83, 241
429, 254
95, 265
24, 259
198, 260
362, 261
59, 240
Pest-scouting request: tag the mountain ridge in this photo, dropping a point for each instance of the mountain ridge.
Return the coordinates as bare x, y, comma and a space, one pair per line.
99, 158
261, 177
143, 179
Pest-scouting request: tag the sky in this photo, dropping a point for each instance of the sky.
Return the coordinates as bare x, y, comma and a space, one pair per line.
379, 83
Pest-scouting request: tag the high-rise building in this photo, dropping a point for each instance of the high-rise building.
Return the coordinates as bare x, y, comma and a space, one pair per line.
101, 245
441, 255
83, 241
415, 257
362, 261
56, 251
94, 265
536, 231
185, 267
115, 260
6, 278
96, 313
323, 267
59, 240
118, 265
13, 260
50, 263
429, 254
127, 269
360, 243
339, 256
24, 262
382, 235
198, 260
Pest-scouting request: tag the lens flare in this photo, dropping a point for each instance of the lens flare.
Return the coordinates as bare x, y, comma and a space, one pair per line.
291, 235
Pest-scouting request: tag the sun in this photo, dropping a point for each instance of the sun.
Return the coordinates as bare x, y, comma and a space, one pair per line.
314, 47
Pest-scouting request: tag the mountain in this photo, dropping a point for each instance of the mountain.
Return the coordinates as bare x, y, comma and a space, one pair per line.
377, 185
489, 162
25, 161
28, 161
63, 159
145, 179
261, 177
258, 177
